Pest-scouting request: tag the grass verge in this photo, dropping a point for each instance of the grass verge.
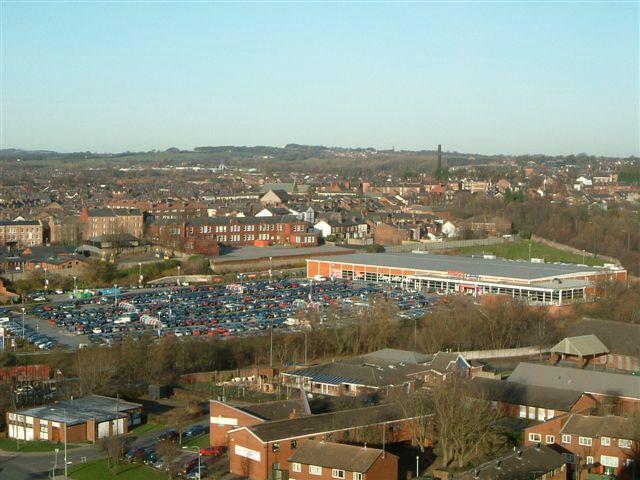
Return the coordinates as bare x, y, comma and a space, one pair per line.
10, 445
99, 470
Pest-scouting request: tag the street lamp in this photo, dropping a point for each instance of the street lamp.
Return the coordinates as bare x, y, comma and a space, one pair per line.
64, 411
23, 309
270, 265
75, 287
139, 274
197, 450
46, 281
178, 279
115, 294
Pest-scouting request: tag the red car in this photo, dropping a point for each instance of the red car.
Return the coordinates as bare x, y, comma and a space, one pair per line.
212, 451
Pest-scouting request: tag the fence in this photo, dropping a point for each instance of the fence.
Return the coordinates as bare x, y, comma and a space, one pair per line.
503, 353
446, 245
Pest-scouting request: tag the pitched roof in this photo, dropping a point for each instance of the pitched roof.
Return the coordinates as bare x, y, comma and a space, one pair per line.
584, 380
584, 345
522, 394
336, 455
518, 465
442, 361
280, 409
590, 426
327, 422
393, 355
621, 338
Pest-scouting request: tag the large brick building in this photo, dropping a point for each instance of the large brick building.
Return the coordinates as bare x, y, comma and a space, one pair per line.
264, 449
204, 235
21, 233
104, 222
225, 417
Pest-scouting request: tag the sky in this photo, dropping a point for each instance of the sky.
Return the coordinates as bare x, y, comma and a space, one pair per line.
491, 77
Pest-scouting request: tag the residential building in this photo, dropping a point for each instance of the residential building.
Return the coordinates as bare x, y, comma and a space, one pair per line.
538, 462
594, 445
21, 233
330, 461
225, 417
100, 222
610, 390
258, 451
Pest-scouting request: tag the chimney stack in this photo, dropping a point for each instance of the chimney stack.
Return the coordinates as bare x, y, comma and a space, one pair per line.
439, 160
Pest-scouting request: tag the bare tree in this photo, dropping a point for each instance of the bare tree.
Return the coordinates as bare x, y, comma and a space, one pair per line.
112, 446
419, 408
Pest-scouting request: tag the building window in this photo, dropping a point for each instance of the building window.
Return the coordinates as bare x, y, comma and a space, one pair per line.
624, 443
535, 437
337, 473
589, 460
296, 467
357, 476
275, 447
566, 438
549, 439
315, 470
294, 444
585, 441
605, 441
608, 461
523, 411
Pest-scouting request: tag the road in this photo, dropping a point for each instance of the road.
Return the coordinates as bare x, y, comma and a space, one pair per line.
36, 466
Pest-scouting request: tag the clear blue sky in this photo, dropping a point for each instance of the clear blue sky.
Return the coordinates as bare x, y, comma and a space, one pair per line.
554, 78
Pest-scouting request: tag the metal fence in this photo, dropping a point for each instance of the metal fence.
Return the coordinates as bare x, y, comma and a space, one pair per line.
445, 245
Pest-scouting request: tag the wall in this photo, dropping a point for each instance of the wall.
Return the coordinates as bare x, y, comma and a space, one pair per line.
224, 418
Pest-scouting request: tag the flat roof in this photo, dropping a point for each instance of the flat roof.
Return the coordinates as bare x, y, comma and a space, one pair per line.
498, 268
79, 410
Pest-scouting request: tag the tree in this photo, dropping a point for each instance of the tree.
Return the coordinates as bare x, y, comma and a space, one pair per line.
464, 427
169, 452
419, 408
112, 446
374, 248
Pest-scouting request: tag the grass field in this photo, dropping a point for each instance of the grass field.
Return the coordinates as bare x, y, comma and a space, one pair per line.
99, 470
200, 441
9, 445
144, 428
519, 250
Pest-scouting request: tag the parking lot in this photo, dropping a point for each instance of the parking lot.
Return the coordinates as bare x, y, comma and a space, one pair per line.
218, 311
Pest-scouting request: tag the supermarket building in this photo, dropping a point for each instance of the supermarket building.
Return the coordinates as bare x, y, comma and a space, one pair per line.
537, 283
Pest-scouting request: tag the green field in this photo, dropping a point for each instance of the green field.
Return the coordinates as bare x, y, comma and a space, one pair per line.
98, 470
519, 250
9, 445
144, 428
201, 441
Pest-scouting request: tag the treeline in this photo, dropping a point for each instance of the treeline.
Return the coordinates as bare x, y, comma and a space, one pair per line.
614, 232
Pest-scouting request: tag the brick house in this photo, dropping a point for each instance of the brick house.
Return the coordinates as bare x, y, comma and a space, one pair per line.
260, 450
104, 222
445, 365
225, 417
600, 445
21, 233
330, 461
385, 234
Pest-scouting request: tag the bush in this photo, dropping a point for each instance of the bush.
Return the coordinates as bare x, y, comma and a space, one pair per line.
374, 248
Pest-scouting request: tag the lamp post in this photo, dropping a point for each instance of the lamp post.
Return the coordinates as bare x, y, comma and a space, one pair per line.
270, 265
139, 274
46, 281
197, 450
115, 294
75, 287
529, 252
64, 411
178, 279
23, 310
